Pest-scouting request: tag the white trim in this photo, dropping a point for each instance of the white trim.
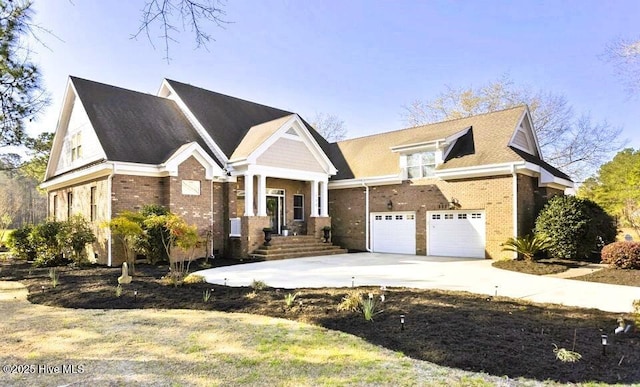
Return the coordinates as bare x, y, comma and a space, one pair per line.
282, 173
478, 171
514, 204
296, 123
193, 120
425, 145
371, 181
192, 149
530, 134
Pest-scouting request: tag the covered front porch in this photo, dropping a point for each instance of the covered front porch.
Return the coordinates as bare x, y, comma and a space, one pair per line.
290, 207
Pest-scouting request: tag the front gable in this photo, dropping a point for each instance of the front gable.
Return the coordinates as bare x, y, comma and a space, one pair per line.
524, 137
284, 143
75, 143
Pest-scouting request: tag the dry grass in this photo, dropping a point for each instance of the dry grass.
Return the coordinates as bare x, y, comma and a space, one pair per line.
186, 347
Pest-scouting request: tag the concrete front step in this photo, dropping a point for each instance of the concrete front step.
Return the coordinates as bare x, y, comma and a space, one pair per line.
279, 240
270, 257
282, 247
303, 248
318, 245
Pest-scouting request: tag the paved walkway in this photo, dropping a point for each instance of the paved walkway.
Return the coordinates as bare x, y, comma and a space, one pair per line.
472, 275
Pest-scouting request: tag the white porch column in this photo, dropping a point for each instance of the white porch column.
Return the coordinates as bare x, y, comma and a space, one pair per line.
248, 194
324, 199
314, 198
262, 195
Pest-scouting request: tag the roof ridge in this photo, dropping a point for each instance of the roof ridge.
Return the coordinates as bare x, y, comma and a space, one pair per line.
226, 95
434, 123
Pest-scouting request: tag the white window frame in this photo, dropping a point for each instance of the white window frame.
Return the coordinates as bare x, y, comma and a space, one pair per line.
76, 146
421, 165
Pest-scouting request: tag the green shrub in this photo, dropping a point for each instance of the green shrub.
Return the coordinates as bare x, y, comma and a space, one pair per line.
44, 238
576, 228
20, 242
73, 236
152, 243
527, 246
623, 255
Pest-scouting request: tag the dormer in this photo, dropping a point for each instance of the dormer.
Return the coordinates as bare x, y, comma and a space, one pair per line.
419, 160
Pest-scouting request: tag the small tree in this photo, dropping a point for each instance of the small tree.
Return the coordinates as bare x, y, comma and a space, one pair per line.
576, 228
127, 227
73, 237
175, 232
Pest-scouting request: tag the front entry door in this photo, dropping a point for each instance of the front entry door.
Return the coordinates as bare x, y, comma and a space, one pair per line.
275, 211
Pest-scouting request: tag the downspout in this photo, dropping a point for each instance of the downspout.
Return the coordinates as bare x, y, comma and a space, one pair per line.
211, 221
515, 203
366, 215
109, 208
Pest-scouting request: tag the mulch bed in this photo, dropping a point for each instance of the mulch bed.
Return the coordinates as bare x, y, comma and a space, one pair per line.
500, 336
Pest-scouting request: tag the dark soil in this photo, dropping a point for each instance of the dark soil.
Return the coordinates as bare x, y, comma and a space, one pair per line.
500, 336
613, 276
531, 267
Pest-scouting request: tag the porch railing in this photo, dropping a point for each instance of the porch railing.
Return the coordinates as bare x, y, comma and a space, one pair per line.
236, 227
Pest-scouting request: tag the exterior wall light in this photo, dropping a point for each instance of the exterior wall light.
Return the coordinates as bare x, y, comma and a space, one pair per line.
604, 344
389, 205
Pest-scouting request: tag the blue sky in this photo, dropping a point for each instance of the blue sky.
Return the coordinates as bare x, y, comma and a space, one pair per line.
360, 60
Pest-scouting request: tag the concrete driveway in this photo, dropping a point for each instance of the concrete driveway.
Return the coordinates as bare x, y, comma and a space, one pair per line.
471, 275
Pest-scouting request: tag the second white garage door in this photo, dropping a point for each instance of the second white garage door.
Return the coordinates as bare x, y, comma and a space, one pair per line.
456, 233
393, 232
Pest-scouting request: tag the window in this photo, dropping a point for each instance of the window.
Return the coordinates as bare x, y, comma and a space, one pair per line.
298, 207
448, 216
94, 205
191, 187
388, 217
55, 207
411, 217
476, 216
399, 217
462, 216
76, 146
421, 164
378, 217
435, 216
69, 205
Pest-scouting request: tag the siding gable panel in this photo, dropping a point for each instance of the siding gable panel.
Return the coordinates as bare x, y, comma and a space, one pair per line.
291, 154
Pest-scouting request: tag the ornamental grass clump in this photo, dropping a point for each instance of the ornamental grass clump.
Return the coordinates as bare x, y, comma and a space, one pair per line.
351, 302
290, 298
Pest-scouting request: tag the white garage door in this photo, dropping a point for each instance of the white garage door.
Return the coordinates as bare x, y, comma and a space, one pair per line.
456, 233
393, 232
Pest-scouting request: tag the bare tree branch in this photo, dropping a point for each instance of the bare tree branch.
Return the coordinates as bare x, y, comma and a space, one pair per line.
624, 54
331, 127
191, 14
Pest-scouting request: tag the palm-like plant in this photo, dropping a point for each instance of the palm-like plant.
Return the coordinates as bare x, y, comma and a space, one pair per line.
528, 245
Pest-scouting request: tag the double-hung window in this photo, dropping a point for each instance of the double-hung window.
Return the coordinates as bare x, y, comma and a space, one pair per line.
421, 164
298, 207
76, 146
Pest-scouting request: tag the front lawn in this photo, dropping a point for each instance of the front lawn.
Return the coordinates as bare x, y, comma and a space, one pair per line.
497, 335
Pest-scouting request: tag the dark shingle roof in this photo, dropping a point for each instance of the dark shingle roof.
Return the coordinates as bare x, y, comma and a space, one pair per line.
226, 119
133, 126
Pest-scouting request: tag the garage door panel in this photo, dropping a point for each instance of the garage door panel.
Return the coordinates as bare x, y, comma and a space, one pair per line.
456, 233
393, 232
